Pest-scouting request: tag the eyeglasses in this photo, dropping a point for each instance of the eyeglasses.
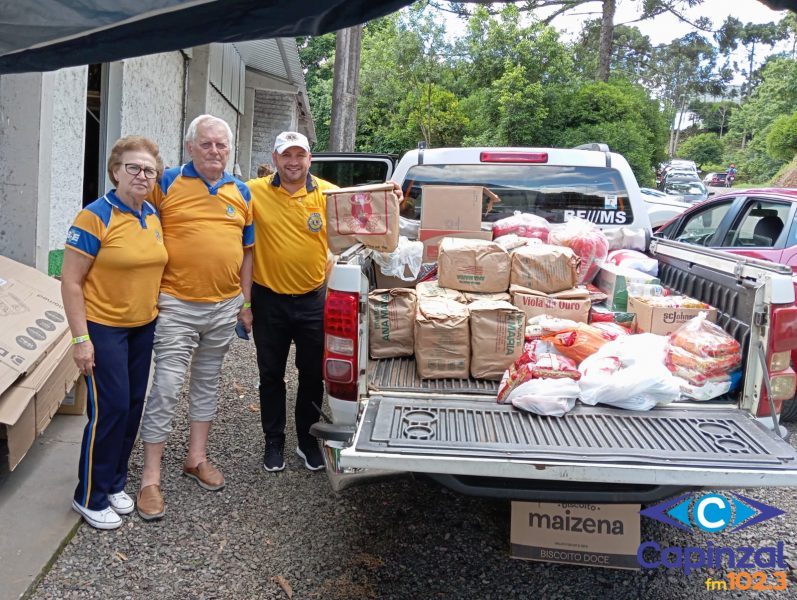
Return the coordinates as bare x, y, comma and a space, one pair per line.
134, 169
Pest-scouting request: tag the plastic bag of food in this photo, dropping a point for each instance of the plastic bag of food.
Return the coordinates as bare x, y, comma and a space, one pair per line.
587, 241
708, 366
633, 259
516, 374
523, 225
704, 338
549, 365
615, 378
578, 343
511, 241
611, 330
546, 397
404, 262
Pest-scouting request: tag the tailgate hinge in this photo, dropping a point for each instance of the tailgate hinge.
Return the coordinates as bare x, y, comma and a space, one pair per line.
760, 317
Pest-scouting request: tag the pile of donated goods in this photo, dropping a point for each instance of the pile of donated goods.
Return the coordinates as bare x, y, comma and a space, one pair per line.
553, 314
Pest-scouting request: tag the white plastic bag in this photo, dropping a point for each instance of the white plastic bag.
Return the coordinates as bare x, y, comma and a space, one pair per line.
547, 397
406, 257
629, 373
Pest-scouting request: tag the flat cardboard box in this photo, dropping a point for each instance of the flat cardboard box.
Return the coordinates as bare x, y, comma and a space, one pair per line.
451, 207
17, 423
573, 304
431, 239
32, 319
613, 281
595, 535
652, 319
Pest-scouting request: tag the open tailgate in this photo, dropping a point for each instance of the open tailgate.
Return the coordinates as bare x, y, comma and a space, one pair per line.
711, 447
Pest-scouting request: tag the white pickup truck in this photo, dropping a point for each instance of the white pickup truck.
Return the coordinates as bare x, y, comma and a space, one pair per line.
386, 420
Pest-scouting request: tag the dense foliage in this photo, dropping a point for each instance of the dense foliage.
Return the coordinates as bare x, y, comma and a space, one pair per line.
511, 80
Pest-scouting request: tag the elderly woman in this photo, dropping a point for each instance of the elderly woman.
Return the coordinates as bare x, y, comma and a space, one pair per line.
112, 270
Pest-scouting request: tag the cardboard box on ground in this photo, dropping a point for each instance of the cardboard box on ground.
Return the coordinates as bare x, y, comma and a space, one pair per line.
597, 535
36, 366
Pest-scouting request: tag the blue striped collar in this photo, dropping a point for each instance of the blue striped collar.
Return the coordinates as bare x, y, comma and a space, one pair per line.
308, 184
146, 208
189, 170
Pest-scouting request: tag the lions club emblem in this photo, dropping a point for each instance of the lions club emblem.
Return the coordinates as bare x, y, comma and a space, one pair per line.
230, 211
158, 236
314, 222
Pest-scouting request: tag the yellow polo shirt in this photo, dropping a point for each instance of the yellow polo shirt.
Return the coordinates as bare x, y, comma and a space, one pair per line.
205, 229
121, 287
290, 234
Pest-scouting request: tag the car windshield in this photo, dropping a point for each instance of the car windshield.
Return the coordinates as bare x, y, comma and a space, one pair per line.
557, 193
685, 187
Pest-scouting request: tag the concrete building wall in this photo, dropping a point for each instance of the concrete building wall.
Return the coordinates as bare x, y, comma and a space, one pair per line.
69, 131
152, 101
219, 107
274, 112
26, 119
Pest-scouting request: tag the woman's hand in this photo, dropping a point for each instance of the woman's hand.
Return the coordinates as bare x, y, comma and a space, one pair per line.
83, 354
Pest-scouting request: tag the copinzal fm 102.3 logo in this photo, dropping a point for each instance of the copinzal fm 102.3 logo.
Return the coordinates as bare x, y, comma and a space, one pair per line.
712, 512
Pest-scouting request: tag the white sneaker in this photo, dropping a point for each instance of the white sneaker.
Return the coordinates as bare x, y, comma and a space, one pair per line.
121, 503
101, 519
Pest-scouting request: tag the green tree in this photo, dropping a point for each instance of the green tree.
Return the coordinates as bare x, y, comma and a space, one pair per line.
703, 148
317, 57
782, 137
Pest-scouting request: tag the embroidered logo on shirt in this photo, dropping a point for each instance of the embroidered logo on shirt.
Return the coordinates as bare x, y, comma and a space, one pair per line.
73, 236
158, 236
314, 222
230, 211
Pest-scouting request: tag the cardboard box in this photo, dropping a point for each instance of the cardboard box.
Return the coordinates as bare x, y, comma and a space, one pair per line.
431, 239
451, 207
596, 535
32, 319
571, 304
74, 402
613, 281
663, 320
27, 408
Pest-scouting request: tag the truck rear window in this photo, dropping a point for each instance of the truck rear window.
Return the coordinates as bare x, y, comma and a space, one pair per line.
557, 193
346, 173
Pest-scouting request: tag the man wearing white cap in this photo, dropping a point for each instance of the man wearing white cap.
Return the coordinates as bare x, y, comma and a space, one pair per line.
288, 294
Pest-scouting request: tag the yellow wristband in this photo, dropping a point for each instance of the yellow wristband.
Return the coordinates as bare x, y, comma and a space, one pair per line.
80, 339
247, 305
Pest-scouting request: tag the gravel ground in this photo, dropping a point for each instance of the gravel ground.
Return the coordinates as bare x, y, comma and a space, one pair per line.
287, 534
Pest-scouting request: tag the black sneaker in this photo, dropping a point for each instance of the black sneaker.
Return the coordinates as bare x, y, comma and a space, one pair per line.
311, 456
272, 456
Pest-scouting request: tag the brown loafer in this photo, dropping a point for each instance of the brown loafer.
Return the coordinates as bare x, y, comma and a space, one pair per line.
206, 475
149, 503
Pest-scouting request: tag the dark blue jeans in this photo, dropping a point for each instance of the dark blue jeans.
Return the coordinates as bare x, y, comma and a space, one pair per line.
116, 393
278, 320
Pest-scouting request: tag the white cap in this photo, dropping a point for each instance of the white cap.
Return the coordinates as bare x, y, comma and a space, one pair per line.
287, 139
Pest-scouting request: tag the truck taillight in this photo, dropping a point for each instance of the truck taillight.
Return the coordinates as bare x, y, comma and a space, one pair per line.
494, 156
782, 342
341, 322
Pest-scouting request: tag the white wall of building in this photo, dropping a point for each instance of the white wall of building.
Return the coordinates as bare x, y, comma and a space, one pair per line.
152, 101
66, 167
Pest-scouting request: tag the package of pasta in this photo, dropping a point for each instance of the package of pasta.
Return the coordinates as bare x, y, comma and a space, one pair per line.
704, 338
550, 365
578, 343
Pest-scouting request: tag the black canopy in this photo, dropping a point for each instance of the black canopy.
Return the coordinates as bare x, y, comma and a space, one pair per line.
43, 35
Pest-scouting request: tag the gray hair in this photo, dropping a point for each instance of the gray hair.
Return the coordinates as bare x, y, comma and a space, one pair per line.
190, 135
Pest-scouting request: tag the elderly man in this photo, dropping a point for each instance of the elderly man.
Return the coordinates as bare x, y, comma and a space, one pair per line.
288, 293
207, 230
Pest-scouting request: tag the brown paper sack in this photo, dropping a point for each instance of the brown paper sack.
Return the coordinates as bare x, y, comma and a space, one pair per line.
476, 296
473, 265
367, 214
392, 322
572, 304
442, 339
496, 337
430, 289
544, 268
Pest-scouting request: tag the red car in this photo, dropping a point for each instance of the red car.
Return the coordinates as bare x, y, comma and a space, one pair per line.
759, 223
